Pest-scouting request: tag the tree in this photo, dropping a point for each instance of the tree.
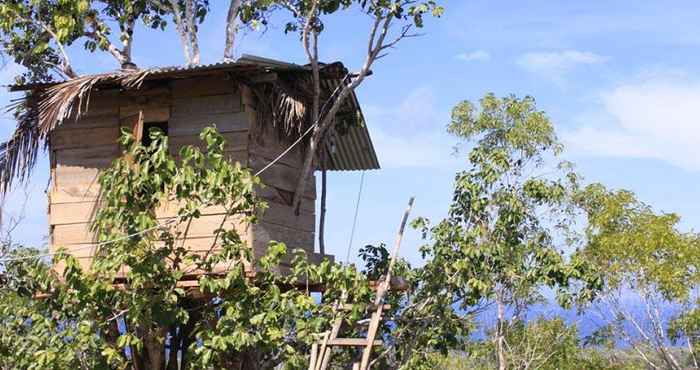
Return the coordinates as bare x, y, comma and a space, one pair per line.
498, 243
186, 15
646, 263
36, 34
308, 21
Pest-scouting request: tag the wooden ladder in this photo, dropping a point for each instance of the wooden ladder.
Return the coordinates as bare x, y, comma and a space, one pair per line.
321, 352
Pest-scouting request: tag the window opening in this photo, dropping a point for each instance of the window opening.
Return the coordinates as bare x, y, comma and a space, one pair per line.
148, 126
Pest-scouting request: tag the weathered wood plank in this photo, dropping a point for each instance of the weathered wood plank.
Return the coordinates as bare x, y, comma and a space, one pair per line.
196, 245
63, 235
211, 104
74, 194
84, 138
71, 213
272, 194
77, 182
92, 157
282, 176
267, 150
68, 207
284, 215
264, 232
235, 140
194, 124
203, 86
151, 113
205, 226
101, 103
83, 212
80, 167
94, 121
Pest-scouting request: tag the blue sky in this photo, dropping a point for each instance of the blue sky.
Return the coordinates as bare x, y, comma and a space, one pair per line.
620, 80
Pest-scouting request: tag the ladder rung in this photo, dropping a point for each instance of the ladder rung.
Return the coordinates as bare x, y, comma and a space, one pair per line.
360, 342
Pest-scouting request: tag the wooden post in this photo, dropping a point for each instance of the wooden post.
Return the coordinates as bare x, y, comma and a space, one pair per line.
322, 218
322, 351
382, 289
314, 355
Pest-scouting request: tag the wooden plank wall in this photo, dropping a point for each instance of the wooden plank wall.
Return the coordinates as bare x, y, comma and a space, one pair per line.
80, 150
280, 222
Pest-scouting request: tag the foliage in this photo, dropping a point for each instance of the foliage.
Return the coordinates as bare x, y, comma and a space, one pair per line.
502, 242
644, 258
498, 241
36, 33
302, 11
632, 244
541, 344
81, 319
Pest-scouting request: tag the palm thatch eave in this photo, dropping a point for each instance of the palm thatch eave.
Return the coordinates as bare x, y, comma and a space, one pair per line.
41, 110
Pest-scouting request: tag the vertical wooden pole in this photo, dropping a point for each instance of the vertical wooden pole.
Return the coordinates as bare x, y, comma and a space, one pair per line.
322, 350
327, 352
382, 289
314, 354
322, 219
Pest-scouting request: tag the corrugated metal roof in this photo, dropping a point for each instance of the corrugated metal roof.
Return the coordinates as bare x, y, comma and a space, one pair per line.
353, 150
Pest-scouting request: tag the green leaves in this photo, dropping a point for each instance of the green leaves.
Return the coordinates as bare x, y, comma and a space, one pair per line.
37, 33
632, 244
498, 243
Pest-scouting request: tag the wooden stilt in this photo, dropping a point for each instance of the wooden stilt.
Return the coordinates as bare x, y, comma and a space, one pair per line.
314, 355
326, 354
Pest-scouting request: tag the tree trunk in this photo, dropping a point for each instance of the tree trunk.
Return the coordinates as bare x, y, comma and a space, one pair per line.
500, 332
231, 29
154, 343
192, 30
316, 138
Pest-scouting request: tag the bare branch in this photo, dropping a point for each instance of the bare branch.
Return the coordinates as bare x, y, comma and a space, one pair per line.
99, 37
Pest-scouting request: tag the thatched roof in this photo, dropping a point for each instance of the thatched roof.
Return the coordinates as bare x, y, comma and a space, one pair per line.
284, 103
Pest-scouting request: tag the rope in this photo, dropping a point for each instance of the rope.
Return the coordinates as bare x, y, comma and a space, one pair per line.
286, 150
354, 220
171, 220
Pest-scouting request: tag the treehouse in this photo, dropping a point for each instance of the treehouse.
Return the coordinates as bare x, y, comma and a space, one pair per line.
258, 105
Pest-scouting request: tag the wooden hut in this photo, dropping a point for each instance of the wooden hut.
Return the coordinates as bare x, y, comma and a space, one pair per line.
245, 100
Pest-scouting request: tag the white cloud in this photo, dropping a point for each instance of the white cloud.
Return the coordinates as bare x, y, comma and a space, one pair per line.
556, 64
656, 118
412, 133
475, 56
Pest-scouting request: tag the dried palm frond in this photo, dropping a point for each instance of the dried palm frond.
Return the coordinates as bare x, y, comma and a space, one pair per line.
284, 105
18, 154
41, 111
